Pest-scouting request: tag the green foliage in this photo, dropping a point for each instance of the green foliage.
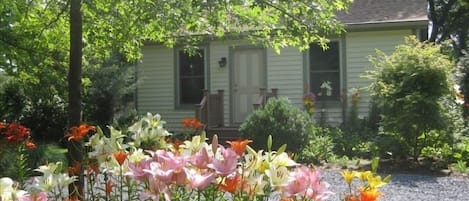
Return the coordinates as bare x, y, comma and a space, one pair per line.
414, 86
358, 134
109, 91
12, 100
46, 117
286, 124
319, 147
461, 166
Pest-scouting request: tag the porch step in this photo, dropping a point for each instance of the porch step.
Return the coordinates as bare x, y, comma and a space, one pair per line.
224, 133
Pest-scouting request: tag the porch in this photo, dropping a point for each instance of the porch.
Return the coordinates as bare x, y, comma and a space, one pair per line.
210, 112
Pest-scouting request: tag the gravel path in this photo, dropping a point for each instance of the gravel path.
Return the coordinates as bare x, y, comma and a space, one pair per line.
411, 187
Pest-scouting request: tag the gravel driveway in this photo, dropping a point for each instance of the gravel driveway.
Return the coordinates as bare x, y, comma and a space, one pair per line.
411, 187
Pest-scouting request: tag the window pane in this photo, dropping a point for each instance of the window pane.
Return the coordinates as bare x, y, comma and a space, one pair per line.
324, 59
191, 90
316, 81
191, 64
191, 77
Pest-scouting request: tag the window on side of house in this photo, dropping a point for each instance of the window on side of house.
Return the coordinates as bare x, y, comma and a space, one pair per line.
191, 77
324, 71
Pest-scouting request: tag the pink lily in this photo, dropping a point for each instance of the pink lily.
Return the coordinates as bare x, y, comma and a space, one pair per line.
199, 181
41, 196
200, 159
226, 165
136, 170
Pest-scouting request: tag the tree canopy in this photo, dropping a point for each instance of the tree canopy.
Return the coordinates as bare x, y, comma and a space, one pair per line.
449, 21
38, 37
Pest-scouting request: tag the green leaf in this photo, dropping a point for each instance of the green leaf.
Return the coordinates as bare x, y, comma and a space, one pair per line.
282, 149
387, 179
375, 164
269, 143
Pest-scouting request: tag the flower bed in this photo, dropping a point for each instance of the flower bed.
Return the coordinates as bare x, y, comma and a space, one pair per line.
149, 164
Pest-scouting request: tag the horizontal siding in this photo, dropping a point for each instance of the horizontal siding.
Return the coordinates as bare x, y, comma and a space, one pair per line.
156, 88
285, 72
359, 46
220, 77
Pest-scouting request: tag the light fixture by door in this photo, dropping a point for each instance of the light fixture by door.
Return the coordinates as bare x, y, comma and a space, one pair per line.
222, 62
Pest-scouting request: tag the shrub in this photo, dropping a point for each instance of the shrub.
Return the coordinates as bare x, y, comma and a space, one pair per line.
413, 85
319, 147
286, 123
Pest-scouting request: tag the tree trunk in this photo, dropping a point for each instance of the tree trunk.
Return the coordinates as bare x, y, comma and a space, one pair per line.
75, 149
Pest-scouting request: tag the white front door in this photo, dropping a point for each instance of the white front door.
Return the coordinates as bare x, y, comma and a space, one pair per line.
248, 75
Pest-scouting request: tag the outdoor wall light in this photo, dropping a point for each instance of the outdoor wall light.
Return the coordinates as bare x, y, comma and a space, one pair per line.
222, 62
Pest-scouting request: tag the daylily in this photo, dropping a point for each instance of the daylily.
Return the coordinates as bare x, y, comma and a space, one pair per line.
239, 146
364, 175
375, 182
369, 195
77, 133
348, 176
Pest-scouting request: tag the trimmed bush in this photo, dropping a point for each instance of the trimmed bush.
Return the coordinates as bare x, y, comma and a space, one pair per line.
286, 123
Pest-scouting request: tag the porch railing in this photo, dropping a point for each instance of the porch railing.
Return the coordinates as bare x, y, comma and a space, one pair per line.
210, 109
264, 97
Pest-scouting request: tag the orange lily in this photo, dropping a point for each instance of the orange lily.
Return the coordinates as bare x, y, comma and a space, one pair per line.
239, 146
120, 157
230, 184
191, 123
369, 195
76, 133
30, 144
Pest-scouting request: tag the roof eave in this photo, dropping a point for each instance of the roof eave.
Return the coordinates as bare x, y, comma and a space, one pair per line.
386, 24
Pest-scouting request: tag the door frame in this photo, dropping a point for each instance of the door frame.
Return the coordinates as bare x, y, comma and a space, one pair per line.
232, 51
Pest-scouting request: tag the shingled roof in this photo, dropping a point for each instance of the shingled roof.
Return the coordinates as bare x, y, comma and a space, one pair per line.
384, 11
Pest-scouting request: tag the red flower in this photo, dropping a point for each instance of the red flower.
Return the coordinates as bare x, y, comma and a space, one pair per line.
239, 146
230, 184
120, 157
77, 133
191, 123
30, 144
369, 195
15, 133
